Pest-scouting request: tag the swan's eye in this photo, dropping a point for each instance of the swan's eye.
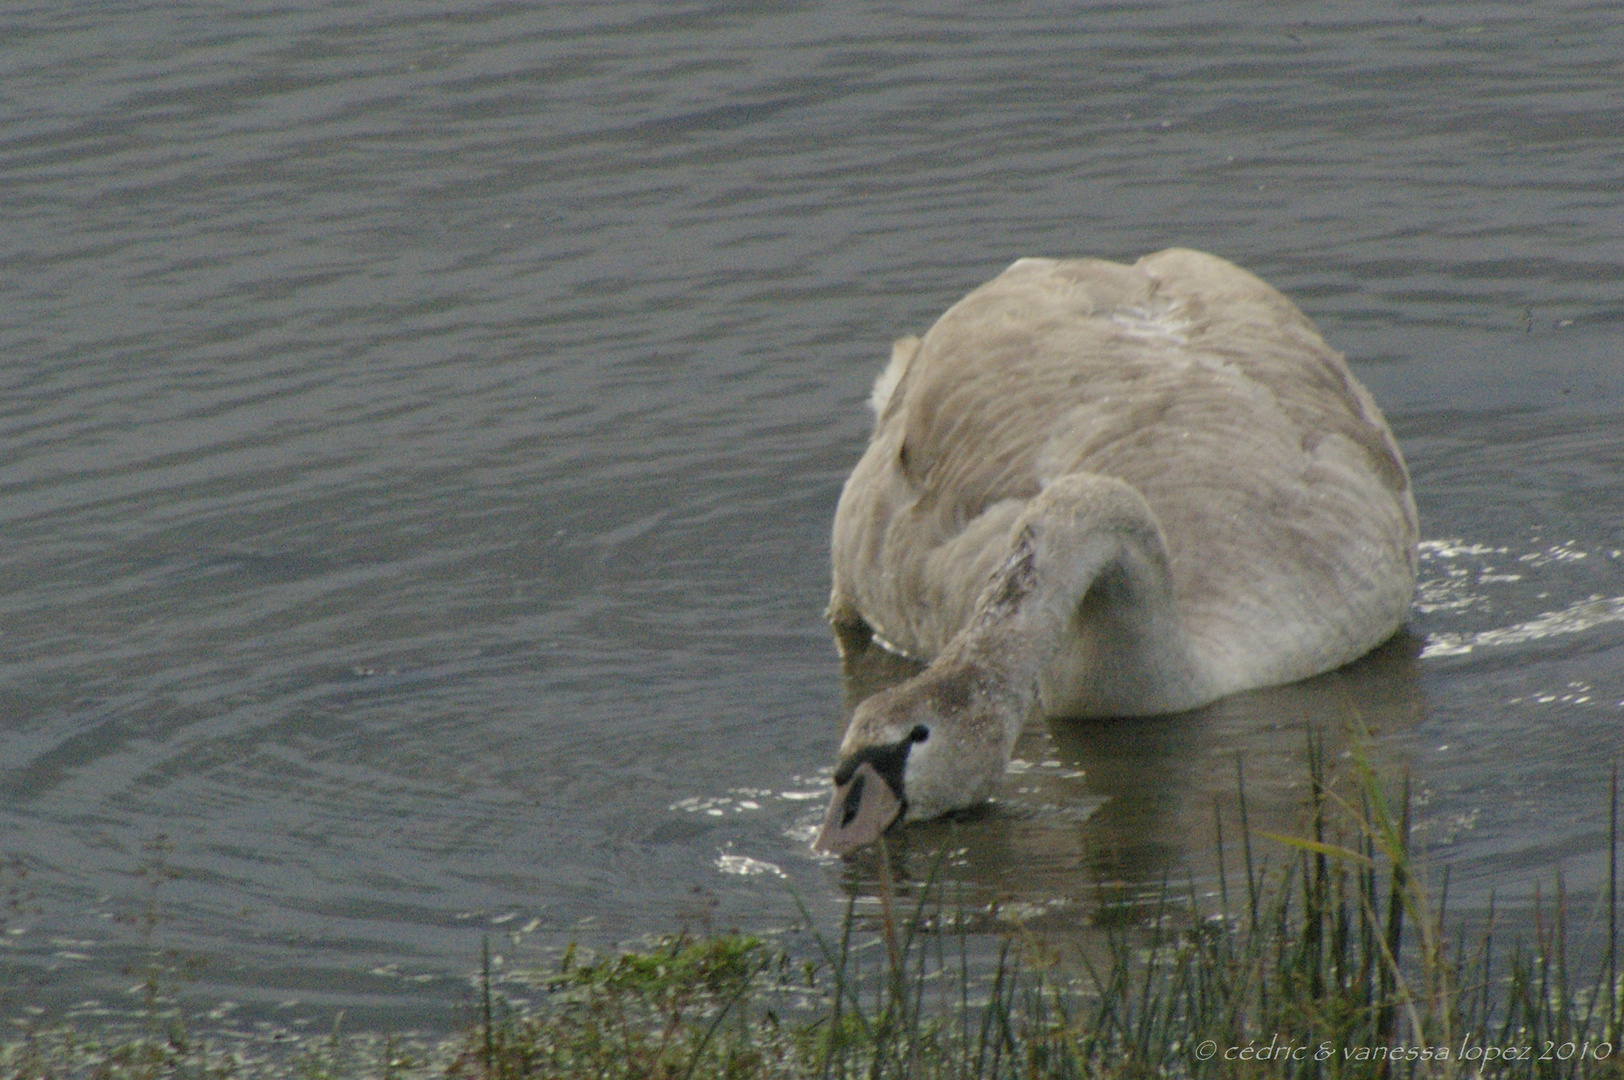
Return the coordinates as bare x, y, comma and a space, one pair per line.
919, 733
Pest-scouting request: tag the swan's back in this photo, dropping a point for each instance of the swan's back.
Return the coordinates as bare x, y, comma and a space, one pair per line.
1284, 503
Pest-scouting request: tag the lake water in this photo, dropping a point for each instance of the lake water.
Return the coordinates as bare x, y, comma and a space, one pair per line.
421, 430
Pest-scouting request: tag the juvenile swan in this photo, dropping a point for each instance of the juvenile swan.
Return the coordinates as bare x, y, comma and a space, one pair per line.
1103, 490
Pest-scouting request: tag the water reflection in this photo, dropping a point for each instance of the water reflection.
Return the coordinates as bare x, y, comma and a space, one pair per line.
1098, 818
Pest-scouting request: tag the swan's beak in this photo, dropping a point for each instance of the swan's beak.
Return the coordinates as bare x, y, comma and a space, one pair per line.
863, 808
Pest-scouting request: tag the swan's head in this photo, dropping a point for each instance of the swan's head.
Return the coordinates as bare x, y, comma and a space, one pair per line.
934, 744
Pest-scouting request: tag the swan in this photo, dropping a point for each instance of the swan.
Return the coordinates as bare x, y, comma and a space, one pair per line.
1096, 489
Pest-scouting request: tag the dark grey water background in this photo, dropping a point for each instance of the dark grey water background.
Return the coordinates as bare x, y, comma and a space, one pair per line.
420, 428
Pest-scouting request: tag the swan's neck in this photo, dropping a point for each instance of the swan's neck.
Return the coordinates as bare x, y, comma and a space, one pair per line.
1080, 619
1082, 601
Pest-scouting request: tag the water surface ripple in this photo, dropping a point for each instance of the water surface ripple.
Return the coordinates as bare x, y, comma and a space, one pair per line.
419, 431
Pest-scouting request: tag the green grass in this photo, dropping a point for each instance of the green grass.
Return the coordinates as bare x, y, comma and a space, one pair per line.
1322, 955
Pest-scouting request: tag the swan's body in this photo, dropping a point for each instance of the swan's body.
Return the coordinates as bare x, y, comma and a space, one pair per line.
1097, 489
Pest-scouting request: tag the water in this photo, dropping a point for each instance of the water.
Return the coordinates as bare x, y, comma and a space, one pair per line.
420, 434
